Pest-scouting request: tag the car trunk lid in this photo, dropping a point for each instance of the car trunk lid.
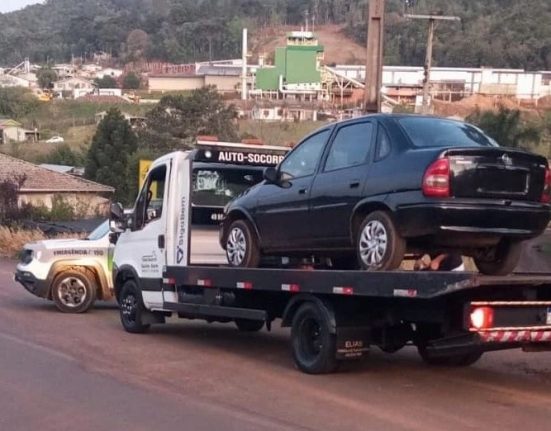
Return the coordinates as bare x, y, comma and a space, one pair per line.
496, 173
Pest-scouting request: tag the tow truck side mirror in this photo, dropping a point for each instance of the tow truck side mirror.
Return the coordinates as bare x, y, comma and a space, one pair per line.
271, 175
117, 211
118, 222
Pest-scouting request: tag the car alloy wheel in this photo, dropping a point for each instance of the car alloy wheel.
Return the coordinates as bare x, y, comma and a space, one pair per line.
236, 246
373, 243
72, 292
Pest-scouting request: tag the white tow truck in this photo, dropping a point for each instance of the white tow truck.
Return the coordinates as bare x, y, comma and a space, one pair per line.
161, 269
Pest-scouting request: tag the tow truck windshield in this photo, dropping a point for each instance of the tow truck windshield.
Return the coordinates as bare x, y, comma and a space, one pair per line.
215, 187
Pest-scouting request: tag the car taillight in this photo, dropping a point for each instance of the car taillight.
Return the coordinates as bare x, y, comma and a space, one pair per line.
482, 318
436, 181
546, 195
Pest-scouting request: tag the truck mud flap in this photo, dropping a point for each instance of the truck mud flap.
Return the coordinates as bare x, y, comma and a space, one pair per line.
352, 343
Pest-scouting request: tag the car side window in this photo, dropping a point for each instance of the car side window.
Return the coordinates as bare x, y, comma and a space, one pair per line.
150, 203
383, 144
350, 146
302, 161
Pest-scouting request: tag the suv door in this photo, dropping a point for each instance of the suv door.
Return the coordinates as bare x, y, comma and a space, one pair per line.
338, 185
282, 210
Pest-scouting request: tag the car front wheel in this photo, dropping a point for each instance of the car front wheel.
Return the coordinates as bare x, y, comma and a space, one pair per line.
74, 291
242, 248
379, 246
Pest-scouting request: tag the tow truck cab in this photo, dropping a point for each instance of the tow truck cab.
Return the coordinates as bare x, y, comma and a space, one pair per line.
165, 266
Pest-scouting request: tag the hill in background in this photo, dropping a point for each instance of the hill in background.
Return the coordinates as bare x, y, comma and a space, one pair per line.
497, 33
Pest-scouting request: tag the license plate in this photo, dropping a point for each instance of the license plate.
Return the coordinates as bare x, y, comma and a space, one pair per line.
549, 316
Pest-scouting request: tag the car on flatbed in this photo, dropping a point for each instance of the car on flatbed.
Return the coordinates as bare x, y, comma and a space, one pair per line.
365, 192
73, 273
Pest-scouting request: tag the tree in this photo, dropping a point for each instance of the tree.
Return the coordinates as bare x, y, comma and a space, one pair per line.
506, 127
177, 120
46, 77
16, 102
131, 81
108, 156
137, 45
106, 82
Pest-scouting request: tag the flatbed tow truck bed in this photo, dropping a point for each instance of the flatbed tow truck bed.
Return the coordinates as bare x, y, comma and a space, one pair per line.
334, 315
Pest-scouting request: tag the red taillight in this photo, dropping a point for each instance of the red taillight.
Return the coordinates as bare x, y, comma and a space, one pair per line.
546, 195
436, 181
482, 318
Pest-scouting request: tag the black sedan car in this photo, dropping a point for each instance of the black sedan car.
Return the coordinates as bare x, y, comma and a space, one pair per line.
365, 192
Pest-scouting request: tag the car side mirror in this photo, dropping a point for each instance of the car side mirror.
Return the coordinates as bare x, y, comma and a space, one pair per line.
117, 222
113, 237
271, 175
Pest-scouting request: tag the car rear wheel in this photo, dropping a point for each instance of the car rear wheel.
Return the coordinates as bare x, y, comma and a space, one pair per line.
379, 246
74, 291
499, 260
242, 246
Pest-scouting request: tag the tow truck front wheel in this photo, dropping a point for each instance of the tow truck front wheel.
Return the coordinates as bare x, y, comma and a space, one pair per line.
242, 246
132, 309
314, 346
74, 291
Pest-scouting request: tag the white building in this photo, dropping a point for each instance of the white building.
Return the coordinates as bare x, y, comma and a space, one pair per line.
513, 82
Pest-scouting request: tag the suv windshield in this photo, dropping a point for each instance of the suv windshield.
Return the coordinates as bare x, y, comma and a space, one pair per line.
439, 132
99, 232
216, 187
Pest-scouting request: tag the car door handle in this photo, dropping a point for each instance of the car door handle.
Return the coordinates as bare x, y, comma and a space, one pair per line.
161, 241
354, 184
302, 191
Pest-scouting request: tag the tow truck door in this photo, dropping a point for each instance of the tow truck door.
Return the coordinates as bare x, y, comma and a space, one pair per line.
147, 239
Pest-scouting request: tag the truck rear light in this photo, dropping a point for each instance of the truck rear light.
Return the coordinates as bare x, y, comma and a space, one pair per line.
482, 318
546, 195
436, 181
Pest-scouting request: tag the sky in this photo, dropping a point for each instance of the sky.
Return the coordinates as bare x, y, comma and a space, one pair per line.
11, 5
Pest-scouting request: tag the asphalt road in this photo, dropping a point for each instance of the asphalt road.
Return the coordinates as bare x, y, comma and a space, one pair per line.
83, 372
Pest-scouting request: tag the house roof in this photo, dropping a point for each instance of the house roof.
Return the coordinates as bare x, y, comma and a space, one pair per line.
42, 180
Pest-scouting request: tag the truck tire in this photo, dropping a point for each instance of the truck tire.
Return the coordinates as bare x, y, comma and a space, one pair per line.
379, 246
502, 260
314, 346
458, 360
242, 248
74, 290
131, 308
247, 325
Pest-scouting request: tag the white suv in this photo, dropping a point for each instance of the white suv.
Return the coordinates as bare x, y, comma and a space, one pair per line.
71, 272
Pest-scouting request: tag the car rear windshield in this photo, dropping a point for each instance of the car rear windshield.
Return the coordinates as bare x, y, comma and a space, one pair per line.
439, 132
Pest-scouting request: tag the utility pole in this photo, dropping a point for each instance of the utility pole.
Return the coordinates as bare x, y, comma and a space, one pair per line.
428, 58
374, 63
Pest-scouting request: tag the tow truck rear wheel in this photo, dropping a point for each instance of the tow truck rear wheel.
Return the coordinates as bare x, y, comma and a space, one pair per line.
74, 290
314, 346
132, 308
457, 360
247, 325
242, 246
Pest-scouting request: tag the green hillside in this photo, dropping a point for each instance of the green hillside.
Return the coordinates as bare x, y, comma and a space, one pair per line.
498, 33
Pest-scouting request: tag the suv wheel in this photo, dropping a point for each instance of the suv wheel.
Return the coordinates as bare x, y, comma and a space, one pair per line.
499, 260
74, 291
379, 246
242, 246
